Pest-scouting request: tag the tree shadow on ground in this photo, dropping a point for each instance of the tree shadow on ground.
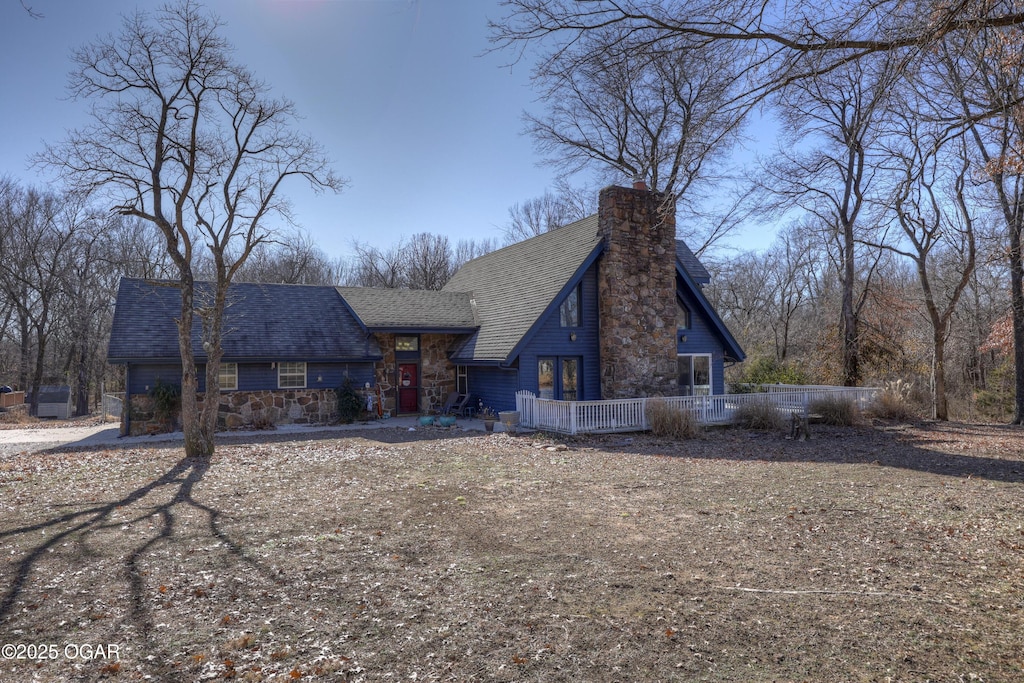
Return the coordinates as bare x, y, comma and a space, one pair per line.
168, 498
992, 452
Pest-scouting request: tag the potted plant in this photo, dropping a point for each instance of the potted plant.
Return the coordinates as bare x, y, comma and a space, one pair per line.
447, 418
489, 417
427, 418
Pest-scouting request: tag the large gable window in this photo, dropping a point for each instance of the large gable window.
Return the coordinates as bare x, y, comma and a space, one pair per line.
569, 312
291, 375
682, 315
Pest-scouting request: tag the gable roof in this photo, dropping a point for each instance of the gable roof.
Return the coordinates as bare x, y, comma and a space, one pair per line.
692, 264
261, 322
512, 287
731, 347
413, 310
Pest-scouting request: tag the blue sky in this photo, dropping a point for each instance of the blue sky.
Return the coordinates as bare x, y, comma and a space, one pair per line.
401, 94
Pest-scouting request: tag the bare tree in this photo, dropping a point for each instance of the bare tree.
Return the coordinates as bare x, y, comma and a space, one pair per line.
188, 140
785, 41
616, 106
837, 116
91, 286
375, 267
428, 261
538, 215
768, 298
424, 261
467, 250
136, 248
932, 209
985, 73
38, 242
296, 260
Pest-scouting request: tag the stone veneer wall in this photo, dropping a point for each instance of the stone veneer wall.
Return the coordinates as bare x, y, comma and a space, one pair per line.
241, 408
437, 374
637, 294
384, 372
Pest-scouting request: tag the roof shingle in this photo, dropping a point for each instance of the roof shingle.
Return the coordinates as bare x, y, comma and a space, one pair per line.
423, 309
262, 321
513, 286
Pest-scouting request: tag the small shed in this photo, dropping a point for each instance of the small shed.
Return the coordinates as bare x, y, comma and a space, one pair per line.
55, 401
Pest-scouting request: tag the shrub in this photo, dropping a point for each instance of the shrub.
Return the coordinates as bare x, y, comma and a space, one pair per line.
761, 414
17, 414
263, 420
350, 403
766, 371
836, 411
668, 421
166, 400
894, 402
995, 401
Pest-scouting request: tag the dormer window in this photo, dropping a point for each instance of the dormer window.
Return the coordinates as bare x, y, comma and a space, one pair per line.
682, 315
569, 312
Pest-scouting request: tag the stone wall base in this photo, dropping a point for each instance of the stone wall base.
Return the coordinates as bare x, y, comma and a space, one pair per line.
244, 409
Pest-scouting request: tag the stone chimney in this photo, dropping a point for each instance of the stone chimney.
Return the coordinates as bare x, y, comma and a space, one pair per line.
637, 293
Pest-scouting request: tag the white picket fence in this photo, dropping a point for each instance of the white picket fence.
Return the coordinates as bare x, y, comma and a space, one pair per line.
630, 414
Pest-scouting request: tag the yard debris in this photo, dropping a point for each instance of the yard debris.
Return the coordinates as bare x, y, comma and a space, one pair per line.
433, 555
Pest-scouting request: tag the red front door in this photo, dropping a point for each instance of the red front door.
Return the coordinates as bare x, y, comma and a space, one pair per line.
408, 388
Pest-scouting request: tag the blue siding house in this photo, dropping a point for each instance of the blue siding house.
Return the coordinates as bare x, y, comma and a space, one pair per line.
608, 307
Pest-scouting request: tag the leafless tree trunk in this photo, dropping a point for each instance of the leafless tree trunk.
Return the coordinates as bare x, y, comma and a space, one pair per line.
189, 141
986, 74
38, 242
932, 209
838, 116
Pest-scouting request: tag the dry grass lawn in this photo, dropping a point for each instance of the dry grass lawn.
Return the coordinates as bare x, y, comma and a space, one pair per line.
865, 554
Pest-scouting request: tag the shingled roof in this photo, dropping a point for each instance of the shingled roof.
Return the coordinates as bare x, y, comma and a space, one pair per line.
512, 287
262, 321
692, 264
418, 310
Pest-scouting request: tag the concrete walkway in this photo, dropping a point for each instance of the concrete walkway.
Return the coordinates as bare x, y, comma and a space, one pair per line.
40, 438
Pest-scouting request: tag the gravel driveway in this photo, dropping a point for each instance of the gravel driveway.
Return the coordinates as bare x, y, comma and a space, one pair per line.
43, 437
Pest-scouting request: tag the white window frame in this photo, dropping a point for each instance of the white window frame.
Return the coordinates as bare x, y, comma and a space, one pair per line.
710, 386
228, 371
291, 371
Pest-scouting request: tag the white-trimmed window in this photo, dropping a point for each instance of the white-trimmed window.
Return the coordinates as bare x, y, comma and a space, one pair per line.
228, 376
694, 374
291, 375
